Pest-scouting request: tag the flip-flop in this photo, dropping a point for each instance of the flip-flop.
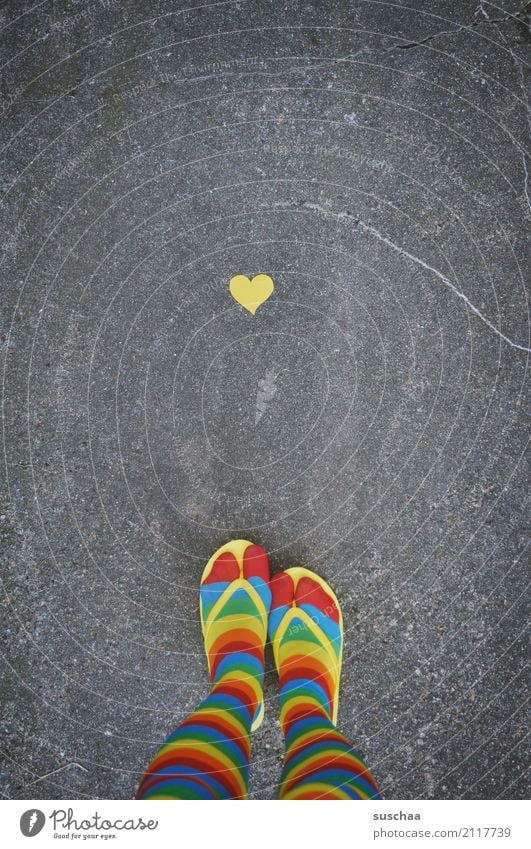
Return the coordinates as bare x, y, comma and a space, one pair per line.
327, 630
244, 568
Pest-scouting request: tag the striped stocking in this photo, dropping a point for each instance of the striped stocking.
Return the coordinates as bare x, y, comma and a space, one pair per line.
319, 762
207, 756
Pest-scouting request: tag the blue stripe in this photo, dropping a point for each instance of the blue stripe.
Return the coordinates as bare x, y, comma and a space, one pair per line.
336, 778
214, 734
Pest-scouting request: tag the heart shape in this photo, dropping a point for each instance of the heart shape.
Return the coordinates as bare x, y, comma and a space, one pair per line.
251, 293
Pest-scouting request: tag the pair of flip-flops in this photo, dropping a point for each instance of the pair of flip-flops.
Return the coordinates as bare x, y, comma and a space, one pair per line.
291, 602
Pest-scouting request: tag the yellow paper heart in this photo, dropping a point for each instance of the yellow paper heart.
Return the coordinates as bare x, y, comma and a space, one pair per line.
251, 293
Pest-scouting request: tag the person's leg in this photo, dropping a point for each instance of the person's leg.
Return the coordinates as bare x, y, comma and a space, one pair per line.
207, 756
306, 632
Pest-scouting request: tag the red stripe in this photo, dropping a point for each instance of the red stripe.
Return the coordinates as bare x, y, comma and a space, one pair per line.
147, 785
236, 635
329, 759
225, 568
182, 758
255, 563
223, 727
230, 648
302, 668
240, 691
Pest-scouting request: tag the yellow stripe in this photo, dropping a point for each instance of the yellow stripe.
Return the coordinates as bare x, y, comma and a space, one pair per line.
333, 756
301, 700
318, 788
239, 583
191, 742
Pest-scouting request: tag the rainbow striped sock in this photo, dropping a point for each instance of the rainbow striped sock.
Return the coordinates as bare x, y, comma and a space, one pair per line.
207, 756
319, 762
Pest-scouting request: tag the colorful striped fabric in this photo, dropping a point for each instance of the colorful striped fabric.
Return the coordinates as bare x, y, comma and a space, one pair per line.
207, 756
319, 762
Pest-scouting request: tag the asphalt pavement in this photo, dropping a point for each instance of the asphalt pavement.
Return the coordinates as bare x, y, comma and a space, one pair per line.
368, 421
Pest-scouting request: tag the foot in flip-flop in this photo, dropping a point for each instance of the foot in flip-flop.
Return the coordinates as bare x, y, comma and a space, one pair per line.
234, 603
306, 632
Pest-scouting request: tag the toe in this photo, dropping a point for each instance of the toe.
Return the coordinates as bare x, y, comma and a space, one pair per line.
225, 568
311, 592
255, 563
282, 590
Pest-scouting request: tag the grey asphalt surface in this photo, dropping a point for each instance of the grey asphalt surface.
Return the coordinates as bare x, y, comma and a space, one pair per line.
369, 421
